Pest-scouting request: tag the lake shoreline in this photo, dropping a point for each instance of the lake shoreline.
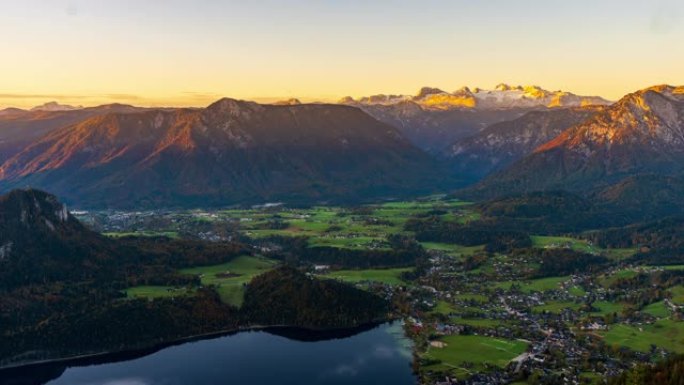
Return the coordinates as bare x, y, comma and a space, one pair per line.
134, 352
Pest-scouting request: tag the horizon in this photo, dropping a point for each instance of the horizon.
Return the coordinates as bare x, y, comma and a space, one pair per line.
181, 54
265, 100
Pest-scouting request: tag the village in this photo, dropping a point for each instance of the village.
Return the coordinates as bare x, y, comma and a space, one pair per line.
474, 317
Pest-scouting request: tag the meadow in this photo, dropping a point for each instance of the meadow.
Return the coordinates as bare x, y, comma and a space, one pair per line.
228, 279
386, 276
465, 354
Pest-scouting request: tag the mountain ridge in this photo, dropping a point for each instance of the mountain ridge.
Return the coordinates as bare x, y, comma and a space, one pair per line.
603, 149
230, 152
502, 96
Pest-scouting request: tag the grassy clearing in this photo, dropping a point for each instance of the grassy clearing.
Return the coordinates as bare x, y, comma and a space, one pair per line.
155, 292
541, 284
605, 307
677, 294
478, 350
556, 307
664, 333
444, 308
387, 276
359, 243
657, 309
609, 280
561, 242
230, 278
579, 245
452, 249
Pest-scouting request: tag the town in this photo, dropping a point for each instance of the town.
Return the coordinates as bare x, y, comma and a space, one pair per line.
474, 316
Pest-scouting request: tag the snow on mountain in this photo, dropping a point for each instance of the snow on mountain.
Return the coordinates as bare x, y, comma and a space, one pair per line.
642, 133
501, 97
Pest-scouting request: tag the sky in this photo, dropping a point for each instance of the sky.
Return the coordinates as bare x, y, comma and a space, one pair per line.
171, 52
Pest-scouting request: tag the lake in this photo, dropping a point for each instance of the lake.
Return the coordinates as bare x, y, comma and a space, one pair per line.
378, 355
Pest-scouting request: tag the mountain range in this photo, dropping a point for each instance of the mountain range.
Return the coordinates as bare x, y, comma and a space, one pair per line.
502, 96
19, 128
643, 133
230, 152
510, 140
433, 119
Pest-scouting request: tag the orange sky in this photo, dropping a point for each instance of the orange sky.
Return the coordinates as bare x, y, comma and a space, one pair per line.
192, 53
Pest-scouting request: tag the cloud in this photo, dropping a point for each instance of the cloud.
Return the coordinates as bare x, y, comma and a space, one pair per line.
202, 95
41, 96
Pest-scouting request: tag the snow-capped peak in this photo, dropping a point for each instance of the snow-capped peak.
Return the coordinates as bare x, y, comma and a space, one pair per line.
501, 97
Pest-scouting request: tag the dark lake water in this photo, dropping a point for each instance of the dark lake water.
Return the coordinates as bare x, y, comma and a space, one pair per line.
379, 355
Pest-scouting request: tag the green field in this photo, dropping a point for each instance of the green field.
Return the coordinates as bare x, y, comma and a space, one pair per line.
231, 288
556, 307
605, 307
608, 280
579, 245
677, 294
452, 249
443, 307
387, 276
664, 333
358, 243
478, 350
657, 309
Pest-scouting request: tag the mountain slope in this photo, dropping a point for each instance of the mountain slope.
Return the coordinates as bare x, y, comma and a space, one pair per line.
19, 128
432, 119
503, 143
230, 152
41, 241
431, 129
642, 133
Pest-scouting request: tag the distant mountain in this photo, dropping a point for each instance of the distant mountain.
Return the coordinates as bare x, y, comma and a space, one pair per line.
501, 144
433, 119
433, 130
18, 127
54, 106
230, 152
643, 133
503, 96
288, 102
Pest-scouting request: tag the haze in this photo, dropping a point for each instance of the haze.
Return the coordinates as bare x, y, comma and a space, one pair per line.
192, 52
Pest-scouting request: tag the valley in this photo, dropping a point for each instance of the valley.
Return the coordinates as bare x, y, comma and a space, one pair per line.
563, 308
341, 192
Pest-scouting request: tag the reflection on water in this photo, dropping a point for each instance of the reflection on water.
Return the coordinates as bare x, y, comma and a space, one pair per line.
381, 355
